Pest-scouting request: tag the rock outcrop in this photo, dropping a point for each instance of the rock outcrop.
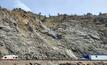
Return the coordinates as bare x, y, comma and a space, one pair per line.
33, 36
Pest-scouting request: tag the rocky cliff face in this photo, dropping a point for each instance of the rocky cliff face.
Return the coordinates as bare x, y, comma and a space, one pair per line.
33, 36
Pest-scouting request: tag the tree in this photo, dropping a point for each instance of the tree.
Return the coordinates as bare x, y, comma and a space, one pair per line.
89, 14
58, 14
0, 7
39, 15
49, 15
100, 13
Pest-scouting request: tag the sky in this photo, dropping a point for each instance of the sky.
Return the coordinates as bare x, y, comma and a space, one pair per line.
52, 7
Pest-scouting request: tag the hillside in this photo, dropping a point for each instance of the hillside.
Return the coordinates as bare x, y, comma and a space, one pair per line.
34, 36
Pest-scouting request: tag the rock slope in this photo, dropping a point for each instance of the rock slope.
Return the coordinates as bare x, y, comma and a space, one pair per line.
34, 36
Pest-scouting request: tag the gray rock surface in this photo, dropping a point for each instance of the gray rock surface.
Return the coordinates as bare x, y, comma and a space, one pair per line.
21, 34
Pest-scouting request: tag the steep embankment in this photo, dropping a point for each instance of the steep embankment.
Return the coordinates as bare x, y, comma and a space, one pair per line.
24, 34
33, 36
